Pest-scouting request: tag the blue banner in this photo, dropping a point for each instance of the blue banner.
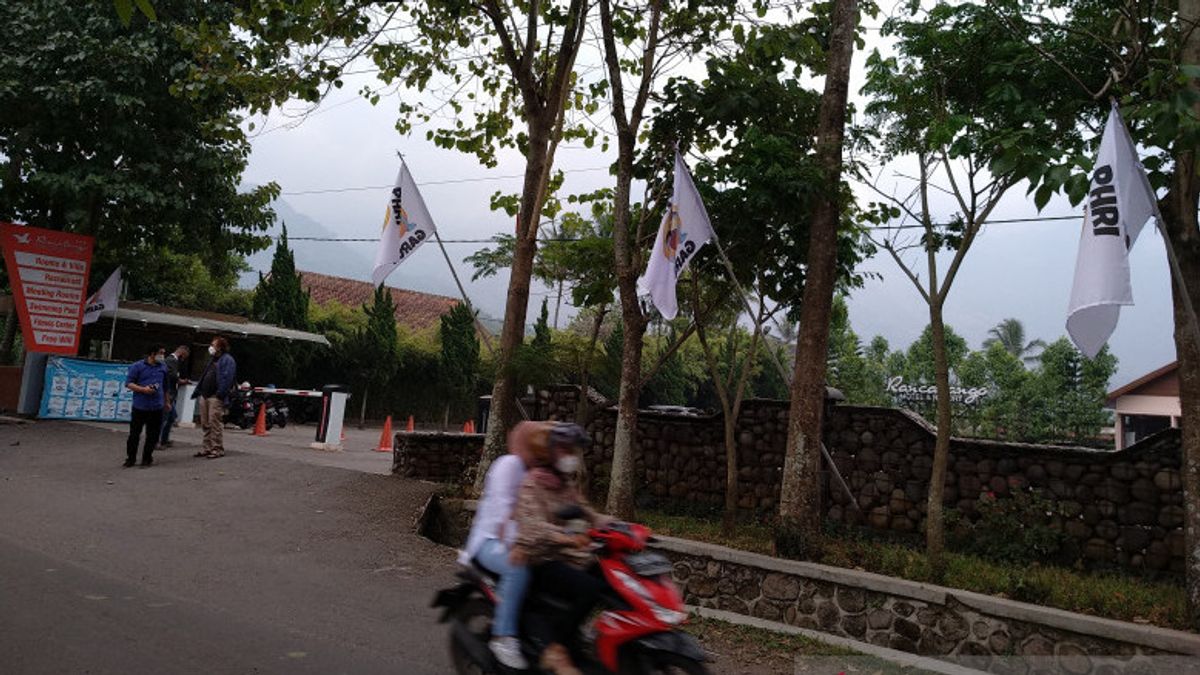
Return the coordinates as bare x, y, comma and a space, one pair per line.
77, 389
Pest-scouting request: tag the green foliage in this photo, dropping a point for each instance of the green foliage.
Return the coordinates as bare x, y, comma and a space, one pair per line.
754, 116
96, 139
1010, 334
459, 360
860, 375
372, 350
280, 298
541, 330
1015, 529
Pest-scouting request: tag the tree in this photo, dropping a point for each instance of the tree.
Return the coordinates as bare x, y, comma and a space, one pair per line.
799, 503
373, 348
280, 299
97, 138
1010, 334
1146, 55
638, 41
941, 102
459, 360
522, 58
730, 384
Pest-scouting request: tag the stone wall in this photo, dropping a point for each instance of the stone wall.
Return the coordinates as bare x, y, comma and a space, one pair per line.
973, 630
1119, 508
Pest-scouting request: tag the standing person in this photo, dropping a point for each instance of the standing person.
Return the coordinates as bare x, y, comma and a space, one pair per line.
174, 364
213, 391
145, 380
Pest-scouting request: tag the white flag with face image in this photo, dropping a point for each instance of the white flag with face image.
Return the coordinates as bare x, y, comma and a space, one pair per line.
685, 228
1117, 207
104, 299
406, 225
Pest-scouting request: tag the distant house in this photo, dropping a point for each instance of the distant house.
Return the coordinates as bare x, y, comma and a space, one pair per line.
414, 310
1147, 405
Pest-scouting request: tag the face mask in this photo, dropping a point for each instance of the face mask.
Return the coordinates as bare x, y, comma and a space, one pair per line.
212, 350
567, 464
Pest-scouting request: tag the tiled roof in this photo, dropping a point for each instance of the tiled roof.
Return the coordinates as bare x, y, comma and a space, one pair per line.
414, 310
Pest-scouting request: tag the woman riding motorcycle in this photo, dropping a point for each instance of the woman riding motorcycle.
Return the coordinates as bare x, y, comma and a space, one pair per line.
558, 552
493, 533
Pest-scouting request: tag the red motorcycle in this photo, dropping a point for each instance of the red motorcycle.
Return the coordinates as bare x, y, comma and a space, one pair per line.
636, 632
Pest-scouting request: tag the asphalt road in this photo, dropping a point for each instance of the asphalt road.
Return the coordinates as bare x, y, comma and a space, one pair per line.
247, 564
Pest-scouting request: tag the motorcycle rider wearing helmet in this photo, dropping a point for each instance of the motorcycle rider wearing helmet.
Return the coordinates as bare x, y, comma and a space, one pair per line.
558, 552
493, 533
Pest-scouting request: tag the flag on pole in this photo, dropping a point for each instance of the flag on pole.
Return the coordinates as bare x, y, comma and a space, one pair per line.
105, 299
406, 225
1118, 205
685, 228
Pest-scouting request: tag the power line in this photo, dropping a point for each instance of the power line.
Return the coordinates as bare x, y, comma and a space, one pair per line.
450, 181
558, 239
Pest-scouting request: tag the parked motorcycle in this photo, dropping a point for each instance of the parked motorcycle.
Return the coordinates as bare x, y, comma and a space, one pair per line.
242, 408
636, 632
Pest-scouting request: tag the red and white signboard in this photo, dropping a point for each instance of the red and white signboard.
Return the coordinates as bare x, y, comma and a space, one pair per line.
48, 271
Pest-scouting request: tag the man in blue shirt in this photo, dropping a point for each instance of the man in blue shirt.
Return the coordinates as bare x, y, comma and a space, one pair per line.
145, 380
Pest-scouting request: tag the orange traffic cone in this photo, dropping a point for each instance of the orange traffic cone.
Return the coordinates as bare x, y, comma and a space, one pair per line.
466, 427
385, 439
411, 425
470, 426
260, 424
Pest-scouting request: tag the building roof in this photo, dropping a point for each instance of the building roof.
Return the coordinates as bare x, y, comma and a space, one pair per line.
414, 310
208, 322
1145, 380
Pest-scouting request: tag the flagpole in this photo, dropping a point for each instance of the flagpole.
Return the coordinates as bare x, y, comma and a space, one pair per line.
112, 334
487, 340
1188, 308
783, 374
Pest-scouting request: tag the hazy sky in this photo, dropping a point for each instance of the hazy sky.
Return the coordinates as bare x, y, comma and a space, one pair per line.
1013, 270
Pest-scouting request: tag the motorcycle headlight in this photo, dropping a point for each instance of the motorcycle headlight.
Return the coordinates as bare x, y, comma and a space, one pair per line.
667, 616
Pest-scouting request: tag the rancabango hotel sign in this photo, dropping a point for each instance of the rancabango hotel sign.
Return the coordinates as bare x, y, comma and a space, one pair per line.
927, 393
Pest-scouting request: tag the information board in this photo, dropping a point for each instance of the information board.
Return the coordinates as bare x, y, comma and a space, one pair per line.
77, 389
48, 271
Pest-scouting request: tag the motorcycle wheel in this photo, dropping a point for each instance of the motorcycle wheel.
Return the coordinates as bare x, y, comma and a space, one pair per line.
476, 616
282, 422
653, 663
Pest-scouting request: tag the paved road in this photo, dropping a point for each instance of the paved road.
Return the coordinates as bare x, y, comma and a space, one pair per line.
248, 564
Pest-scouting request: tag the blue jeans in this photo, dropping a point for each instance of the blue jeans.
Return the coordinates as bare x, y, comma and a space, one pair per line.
514, 581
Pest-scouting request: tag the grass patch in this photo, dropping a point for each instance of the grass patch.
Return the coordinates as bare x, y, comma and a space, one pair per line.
749, 649
1103, 594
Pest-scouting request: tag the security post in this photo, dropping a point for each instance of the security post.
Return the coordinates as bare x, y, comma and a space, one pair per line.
333, 410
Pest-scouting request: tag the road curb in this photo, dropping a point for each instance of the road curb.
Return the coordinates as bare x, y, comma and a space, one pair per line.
893, 655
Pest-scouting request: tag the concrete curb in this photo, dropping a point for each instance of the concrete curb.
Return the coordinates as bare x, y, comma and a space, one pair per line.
893, 655
1165, 639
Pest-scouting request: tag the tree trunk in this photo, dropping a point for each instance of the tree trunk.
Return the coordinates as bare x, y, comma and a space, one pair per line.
512, 334
558, 303
800, 491
935, 535
620, 501
583, 408
1179, 208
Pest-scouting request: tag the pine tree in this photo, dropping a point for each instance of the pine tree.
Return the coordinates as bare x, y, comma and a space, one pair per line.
280, 298
459, 362
541, 330
374, 349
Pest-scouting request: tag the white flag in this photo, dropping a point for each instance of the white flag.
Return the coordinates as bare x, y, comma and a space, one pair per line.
103, 300
406, 225
1118, 206
685, 228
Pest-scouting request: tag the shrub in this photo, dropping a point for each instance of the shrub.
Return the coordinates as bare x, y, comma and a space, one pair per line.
1014, 529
